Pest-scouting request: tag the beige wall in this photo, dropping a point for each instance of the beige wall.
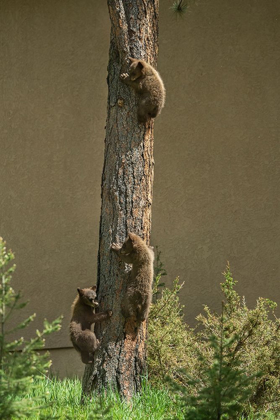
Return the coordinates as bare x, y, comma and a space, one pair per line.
216, 191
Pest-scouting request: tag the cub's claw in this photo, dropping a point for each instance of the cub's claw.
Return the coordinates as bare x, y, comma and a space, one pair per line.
124, 75
115, 247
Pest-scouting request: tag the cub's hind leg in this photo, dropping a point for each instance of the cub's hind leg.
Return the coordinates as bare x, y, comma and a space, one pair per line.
87, 357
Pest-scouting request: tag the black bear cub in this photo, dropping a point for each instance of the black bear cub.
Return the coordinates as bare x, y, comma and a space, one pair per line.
83, 316
147, 83
139, 290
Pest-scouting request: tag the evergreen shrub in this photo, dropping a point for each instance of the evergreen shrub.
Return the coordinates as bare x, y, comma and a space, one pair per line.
232, 356
20, 362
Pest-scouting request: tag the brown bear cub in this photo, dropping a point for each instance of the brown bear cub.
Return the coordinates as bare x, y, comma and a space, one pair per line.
139, 290
146, 81
83, 316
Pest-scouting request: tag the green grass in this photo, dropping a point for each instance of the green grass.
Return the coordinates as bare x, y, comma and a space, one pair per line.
60, 399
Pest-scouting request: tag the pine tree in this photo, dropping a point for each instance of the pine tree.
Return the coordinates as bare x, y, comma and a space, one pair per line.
223, 387
127, 193
20, 364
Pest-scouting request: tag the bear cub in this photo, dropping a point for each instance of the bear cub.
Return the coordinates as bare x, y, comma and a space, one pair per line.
139, 290
147, 83
83, 316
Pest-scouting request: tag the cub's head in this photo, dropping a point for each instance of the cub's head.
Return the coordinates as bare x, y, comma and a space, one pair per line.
128, 245
136, 69
133, 244
88, 296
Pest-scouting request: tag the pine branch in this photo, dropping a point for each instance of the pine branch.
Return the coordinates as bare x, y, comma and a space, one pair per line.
179, 7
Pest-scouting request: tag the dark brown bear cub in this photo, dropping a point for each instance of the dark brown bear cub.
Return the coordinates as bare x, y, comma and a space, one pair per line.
139, 290
83, 316
147, 83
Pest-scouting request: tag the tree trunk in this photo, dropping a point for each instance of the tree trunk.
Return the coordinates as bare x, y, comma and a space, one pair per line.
127, 187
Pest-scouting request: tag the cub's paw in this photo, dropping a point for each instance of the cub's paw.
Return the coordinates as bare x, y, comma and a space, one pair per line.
124, 76
115, 247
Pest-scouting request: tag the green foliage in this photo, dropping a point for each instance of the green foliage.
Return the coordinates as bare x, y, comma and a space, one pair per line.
223, 386
170, 339
230, 362
258, 343
20, 364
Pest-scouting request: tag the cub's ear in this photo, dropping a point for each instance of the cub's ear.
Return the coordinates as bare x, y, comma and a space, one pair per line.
131, 236
94, 288
80, 291
131, 59
140, 65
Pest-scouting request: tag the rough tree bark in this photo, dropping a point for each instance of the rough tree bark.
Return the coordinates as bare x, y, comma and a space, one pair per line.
127, 187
